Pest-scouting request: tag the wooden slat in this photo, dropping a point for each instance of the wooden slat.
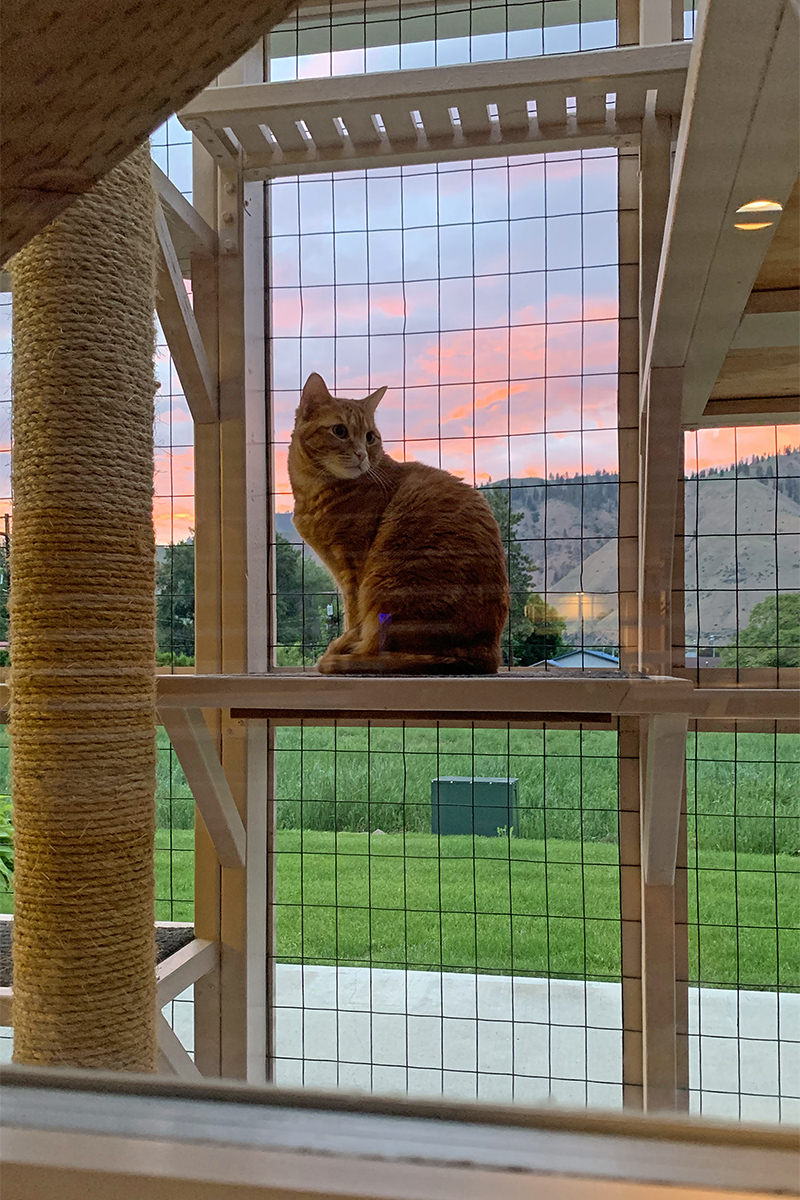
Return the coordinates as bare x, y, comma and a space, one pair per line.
184, 968
217, 143
360, 129
512, 107
551, 107
397, 121
435, 117
591, 108
325, 134
198, 757
630, 102
282, 124
6, 1004
474, 117
180, 329
251, 138
173, 1059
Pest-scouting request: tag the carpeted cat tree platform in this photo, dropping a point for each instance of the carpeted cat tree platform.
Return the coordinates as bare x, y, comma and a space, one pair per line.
82, 631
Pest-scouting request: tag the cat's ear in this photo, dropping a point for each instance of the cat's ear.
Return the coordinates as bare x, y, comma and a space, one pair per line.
373, 400
315, 390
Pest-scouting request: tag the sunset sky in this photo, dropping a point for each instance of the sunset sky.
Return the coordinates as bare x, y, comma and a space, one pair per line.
484, 296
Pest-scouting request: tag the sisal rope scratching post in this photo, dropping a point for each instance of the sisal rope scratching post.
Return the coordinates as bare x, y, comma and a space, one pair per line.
82, 632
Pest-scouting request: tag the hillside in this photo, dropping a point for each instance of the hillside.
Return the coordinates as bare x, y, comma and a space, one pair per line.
742, 537
742, 542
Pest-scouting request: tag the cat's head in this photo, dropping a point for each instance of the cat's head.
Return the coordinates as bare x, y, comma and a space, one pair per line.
337, 437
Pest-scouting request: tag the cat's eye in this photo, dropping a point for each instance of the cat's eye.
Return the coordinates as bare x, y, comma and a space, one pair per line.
370, 437
339, 430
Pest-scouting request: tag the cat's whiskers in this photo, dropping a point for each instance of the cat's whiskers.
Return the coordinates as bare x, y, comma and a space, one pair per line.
379, 477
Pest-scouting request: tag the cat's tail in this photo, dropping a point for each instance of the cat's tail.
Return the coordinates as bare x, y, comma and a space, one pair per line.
402, 662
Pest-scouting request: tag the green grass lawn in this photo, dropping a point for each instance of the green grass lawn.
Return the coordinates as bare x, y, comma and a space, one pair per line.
433, 908
398, 898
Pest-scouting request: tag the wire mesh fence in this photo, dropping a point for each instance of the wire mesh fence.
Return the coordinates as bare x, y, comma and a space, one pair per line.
354, 38
742, 549
485, 295
416, 954
744, 934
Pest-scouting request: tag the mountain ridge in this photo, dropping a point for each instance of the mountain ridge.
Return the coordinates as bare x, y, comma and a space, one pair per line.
742, 542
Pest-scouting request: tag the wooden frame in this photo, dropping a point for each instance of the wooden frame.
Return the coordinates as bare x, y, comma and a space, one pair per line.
101, 1135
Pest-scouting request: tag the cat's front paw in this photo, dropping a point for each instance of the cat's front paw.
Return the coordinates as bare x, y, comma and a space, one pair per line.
344, 644
331, 663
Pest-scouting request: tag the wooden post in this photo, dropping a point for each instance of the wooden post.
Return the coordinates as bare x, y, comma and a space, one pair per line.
208, 621
628, 567
655, 22
243, 519
662, 740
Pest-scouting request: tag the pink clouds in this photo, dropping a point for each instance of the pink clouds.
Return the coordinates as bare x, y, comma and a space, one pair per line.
492, 345
722, 447
173, 500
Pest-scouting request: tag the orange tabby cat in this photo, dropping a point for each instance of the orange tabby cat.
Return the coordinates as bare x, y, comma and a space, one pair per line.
415, 552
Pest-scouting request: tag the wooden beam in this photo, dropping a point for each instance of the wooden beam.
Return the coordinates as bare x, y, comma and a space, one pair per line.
654, 184
519, 694
659, 999
208, 620
741, 703
190, 233
754, 410
181, 331
198, 756
764, 330
243, 500
723, 695
660, 474
774, 300
184, 968
769, 163
735, 143
172, 1057
664, 782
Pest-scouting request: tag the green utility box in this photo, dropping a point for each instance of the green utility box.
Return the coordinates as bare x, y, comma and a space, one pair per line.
463, 804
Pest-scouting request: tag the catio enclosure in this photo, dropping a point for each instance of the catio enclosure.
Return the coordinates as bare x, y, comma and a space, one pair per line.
466, 202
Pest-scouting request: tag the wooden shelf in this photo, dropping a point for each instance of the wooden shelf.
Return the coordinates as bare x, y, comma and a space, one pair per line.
438, 114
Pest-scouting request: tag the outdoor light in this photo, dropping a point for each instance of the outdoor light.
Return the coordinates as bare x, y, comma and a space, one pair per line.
758, 207
761, 206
